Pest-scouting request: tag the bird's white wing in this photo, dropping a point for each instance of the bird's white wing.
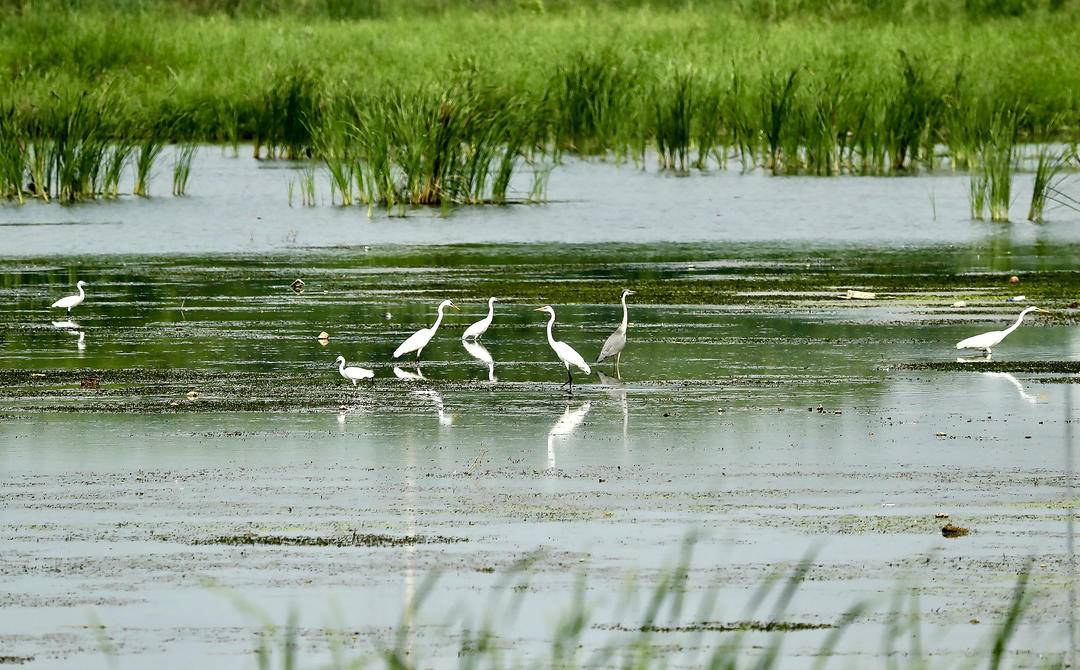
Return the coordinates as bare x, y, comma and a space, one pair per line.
613, 344
416, 341
65, 301
981, 341
568, 355
476, 329
359, 373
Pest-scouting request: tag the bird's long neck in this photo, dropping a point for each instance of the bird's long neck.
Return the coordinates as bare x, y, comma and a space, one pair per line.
1019, 320
82, 294
341, 365
438, 319
625, 314
491, 309
551, 322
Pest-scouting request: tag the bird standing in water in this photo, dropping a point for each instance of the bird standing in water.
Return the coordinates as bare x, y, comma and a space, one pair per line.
353, 373
418, 340
615, 342
564, 351
994, 337
72, 301
477, 330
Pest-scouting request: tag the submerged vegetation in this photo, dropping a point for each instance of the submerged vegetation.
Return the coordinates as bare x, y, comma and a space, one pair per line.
401, 106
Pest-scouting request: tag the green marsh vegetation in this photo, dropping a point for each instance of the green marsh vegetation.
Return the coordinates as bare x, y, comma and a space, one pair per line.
403, 105
669, 622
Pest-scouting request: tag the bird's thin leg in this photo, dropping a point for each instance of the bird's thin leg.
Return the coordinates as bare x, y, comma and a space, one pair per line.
618, 359
570, 380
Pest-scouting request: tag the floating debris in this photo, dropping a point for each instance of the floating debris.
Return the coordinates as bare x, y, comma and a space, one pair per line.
90, 383
1014, 279
959, 303
297, 286
1018, 298
941, 515
324, 338
950, 530
192, 395
852, 294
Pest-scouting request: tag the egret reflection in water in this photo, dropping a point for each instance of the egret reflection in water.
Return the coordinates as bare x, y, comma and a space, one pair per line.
564, 426
67, 324
445, 419
1015, 382
480, 353
405, 375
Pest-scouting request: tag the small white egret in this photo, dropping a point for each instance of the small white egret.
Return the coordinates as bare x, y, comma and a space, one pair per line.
564, 351
994, 337
615, 342
418, 340
480, 353
477, 330
352, 373
72, 301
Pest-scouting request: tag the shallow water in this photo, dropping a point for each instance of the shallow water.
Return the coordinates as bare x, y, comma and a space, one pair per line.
771, 418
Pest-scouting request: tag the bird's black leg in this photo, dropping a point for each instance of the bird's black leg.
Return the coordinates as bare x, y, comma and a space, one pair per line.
570, 380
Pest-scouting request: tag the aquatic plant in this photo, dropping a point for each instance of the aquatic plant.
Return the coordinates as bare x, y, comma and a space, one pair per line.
652, 614
146, 152
182, 158
1051, 163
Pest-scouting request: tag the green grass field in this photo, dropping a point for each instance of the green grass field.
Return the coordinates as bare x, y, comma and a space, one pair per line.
457, 94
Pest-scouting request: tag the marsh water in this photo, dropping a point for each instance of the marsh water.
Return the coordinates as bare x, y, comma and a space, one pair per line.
188, 409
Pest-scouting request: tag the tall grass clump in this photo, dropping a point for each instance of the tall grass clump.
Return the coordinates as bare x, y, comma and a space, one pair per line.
594, 95
910, 114
439, 147
286, 112
1051, 163
181, 168
674, 108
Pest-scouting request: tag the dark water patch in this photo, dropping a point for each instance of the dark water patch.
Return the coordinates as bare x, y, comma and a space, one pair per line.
992, 366
351, 540
720, 627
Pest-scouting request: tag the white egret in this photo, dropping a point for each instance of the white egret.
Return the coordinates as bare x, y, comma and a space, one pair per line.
564, 351
353, 373
477, 330
994, 337
480, 353
72, 301
418, 340
615, 342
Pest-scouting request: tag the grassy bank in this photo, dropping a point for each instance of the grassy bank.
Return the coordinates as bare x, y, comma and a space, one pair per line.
442, 102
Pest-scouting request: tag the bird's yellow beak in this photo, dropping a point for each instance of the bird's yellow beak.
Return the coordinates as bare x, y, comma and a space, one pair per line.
455, 307
539, 309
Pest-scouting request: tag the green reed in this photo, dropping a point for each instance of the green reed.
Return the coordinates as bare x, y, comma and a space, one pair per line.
181, 168
1049, 173
642, 638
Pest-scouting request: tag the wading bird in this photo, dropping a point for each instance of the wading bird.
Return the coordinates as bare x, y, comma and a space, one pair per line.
994, 337
72, 301
352, 373
418, 340
615, 342
477, 330
564, 351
